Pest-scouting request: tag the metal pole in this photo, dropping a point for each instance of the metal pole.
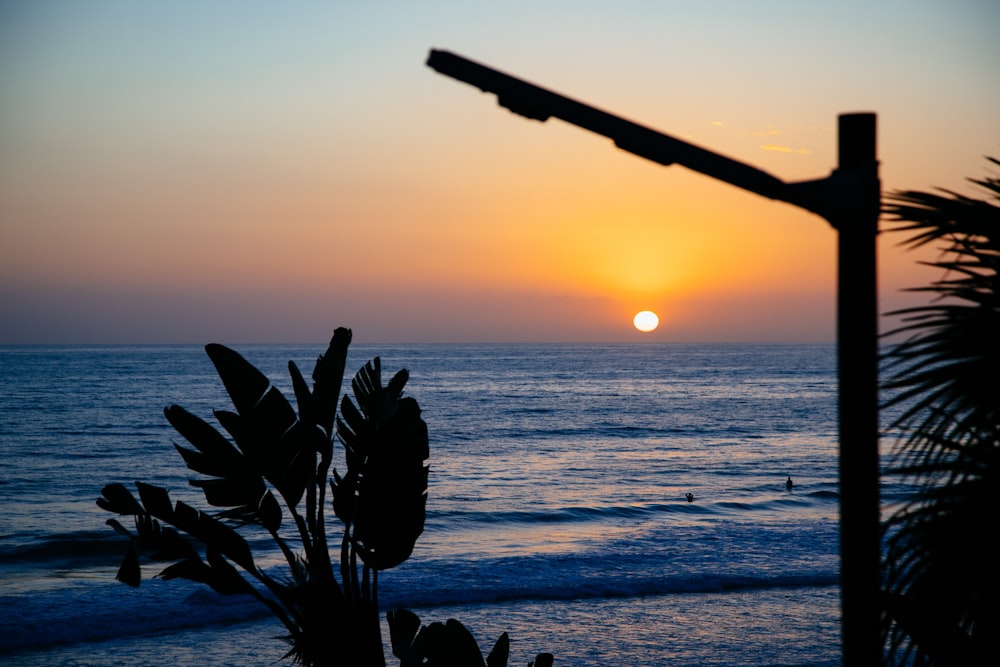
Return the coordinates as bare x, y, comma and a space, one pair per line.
856, 220
850, 200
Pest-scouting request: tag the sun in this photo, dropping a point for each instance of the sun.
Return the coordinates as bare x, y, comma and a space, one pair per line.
646, 321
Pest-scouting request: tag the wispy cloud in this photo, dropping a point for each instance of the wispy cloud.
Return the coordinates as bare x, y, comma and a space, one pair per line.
766, 133
785, 149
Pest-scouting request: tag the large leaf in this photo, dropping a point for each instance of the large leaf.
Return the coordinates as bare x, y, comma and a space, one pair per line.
197, 524
235, 484
214, 533
392, 494
303, 396
355, 431
286, 457
387, 449
244, 383
295, 468
160, 543
501, 652
156, 500
215, 455
344, 494
129, 572
328, 376
225, 578
217, 573
403, 628
265, 427
118, 499
449, 643
270, 512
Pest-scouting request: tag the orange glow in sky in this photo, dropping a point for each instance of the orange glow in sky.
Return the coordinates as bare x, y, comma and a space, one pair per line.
176, 172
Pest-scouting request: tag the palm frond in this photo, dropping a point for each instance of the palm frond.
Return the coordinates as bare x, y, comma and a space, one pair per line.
942, 586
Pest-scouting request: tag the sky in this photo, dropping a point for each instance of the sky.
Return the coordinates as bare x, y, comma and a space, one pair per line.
263, 172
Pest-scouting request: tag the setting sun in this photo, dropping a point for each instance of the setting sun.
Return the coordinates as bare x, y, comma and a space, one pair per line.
646, 321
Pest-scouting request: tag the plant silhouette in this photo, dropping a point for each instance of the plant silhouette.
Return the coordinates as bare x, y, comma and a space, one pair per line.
942, 583
271, 474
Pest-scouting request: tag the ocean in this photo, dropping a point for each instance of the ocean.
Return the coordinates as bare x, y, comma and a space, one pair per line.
557, 507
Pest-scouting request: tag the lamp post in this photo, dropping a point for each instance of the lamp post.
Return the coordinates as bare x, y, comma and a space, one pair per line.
849, 199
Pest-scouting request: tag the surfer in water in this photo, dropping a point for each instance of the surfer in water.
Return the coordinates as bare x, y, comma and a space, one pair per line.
788, 483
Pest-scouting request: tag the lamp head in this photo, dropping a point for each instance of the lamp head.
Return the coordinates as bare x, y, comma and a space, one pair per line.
521, 98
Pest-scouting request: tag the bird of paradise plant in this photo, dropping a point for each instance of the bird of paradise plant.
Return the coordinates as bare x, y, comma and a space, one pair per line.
271, 474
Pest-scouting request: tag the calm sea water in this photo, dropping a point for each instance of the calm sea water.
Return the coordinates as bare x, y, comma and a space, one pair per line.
557, 507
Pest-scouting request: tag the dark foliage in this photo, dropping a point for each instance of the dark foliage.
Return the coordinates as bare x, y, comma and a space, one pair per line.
942, 597
447, 644
269, 471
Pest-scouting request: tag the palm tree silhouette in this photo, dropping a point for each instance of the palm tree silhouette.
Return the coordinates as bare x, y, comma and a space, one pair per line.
942, 582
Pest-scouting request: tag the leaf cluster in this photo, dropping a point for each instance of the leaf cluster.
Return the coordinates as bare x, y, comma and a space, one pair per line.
446, 644
267, 471
942, 584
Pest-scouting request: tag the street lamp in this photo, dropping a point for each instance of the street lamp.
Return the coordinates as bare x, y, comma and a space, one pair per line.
849, 199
